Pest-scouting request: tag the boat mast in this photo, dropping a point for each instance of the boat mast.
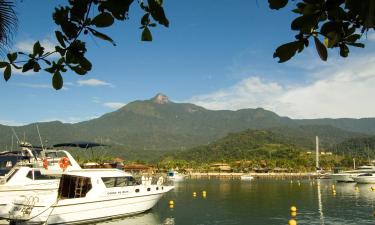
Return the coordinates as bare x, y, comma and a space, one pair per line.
41, 142
317, 152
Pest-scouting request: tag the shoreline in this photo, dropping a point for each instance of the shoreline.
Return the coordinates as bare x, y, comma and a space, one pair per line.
255, 175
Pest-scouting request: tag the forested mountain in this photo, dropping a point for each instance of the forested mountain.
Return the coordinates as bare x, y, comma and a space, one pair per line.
159, 124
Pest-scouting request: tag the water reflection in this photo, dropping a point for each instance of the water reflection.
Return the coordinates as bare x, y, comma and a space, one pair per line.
149, 218
320, 204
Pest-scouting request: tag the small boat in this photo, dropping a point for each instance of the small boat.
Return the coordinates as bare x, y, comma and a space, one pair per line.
365, 178
348, 176
247, 177
175, 176
88, 195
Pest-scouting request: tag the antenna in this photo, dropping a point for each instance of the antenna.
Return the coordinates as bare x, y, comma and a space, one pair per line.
15, 134
41, 142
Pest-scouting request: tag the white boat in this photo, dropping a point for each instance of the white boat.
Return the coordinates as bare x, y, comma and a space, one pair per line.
26, 174
247, 177
365, 178
175, 176
88, 195
348, 176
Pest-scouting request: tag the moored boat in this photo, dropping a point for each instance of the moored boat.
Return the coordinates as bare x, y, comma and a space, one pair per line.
348, 176
365, 178
247, 177
175, 176
102, 193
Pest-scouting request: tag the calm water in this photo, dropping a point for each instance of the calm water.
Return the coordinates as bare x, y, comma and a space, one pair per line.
258, 202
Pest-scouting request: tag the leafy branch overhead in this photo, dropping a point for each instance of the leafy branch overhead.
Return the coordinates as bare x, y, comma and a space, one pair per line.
335, 24
78, 19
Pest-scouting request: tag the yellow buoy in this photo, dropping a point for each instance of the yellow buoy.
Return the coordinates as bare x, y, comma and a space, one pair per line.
293, 209
333, 186
356, 188
372, 188
171, 202
292, 222
171, 206
293, 214
195, 194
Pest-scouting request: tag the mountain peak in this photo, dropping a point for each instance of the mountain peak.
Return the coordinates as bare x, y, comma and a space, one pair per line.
160, 98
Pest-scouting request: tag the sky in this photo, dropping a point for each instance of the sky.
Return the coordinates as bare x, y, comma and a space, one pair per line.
216, 54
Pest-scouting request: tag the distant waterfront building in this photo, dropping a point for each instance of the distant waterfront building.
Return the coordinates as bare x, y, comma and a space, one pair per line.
221, 167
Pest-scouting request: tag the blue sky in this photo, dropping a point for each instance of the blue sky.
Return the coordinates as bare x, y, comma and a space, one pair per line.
216, 53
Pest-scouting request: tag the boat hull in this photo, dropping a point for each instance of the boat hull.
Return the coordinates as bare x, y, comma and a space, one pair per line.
9, 193
365, 179
343, 177
84, 210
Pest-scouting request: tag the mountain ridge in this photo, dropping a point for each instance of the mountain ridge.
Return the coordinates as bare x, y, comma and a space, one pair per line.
161, 124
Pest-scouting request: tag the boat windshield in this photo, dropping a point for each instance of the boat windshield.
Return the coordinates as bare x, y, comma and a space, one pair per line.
7, 162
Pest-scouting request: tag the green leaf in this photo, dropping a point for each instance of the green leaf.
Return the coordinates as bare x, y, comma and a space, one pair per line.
353, 37
3, 64
277, 4
321, 49
331, 39
102, 36
359, 45
304, 23
288, 50
145, 19
85, 64
157, 12
38, 49
7, 72
28, 66
146, 34
103, 20
344, 50
78, 70
57, 80
60, 38
36, 67
12, 56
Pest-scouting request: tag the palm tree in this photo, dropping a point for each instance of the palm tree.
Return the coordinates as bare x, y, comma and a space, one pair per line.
8, 24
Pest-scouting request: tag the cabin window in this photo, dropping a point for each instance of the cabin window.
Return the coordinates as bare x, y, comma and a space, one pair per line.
136, 190
38, 175
148, 189
111, 182
74, 186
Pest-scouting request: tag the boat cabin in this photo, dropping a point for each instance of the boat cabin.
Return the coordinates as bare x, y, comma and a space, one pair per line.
94, 182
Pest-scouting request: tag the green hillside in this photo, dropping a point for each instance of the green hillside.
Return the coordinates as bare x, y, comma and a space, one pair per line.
252, 149
158, 125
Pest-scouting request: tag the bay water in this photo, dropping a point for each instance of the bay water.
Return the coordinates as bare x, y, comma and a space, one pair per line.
260, 202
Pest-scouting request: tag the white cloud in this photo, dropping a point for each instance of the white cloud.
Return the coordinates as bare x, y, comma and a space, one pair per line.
93, 83
114, 105
340, 90
27, 45
11, 123
249, 93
